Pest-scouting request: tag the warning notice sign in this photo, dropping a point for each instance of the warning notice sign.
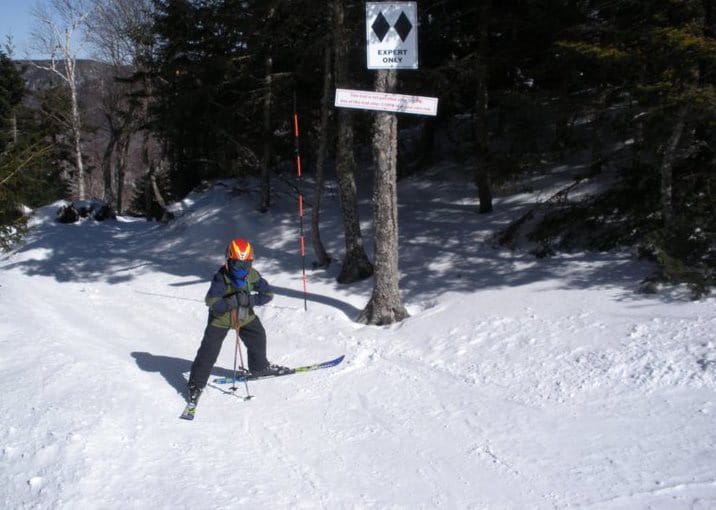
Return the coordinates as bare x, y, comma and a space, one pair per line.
380, 101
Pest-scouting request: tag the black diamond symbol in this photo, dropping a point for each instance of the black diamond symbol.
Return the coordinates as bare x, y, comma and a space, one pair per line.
380, 26
403, 26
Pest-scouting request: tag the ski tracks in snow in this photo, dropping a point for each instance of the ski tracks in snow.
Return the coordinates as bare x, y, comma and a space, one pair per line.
570, 393
414, 416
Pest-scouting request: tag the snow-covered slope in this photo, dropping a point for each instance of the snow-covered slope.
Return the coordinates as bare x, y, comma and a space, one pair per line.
515, 383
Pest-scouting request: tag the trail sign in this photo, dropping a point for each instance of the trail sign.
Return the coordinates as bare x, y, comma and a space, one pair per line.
380, 101
391, 35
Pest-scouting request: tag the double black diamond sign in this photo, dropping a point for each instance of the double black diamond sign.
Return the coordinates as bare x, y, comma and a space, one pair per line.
402, 25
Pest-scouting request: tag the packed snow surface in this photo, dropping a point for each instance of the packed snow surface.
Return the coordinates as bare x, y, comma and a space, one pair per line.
516, 383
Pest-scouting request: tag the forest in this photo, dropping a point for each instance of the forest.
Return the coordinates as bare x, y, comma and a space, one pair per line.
189, 91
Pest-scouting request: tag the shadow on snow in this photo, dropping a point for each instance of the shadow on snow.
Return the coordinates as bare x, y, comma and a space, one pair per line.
444, 246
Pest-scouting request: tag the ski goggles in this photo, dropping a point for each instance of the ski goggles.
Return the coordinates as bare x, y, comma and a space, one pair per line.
239, 265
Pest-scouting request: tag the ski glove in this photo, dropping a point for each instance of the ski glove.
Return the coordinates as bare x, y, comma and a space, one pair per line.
224, 305
238, 300
244, 299
264, 293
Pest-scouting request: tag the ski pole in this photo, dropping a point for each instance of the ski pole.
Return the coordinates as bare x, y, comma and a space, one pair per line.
237, 351
249, 396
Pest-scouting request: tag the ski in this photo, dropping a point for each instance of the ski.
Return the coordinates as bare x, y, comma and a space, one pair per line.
189, 412
297, 370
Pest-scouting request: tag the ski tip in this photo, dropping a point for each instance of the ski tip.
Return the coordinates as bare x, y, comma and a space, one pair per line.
335, 361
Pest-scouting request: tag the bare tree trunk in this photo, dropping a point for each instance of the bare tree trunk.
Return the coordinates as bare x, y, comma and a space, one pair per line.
265, 201
267, 141
59, 42
667, 164
482, 163
156, 191
356, 265
706, 68
70, 66
385, 305
121, 166
13, 128
638, 145
108, 168
597, 157
322, 257
154, 195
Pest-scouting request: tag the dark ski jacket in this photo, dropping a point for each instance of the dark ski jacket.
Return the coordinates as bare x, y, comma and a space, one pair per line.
222, 298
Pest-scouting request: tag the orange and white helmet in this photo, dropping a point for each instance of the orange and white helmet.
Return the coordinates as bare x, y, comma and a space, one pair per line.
240, 249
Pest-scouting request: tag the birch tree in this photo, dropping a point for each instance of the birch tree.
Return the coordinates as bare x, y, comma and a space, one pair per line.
58, 35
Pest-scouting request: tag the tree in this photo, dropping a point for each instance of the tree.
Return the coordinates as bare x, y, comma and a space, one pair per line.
12, 89
322, 257
208, 81
268, 100
482, 162
654, 57
385, 305
356, 265
60, 21
26, 174
120, 32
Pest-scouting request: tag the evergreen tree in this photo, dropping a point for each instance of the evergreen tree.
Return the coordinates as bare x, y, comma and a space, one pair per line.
657, 58
201, 92
11, 91
27, 176
524, 71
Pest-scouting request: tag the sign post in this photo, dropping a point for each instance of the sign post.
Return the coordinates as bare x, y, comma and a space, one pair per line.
392, 44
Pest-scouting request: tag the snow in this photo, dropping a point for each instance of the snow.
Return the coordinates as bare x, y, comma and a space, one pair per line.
516, 383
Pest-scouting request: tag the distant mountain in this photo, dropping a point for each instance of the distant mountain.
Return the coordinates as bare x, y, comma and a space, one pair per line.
89, 72
98, 100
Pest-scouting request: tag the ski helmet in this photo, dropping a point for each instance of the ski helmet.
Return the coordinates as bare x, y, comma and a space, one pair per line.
240, 249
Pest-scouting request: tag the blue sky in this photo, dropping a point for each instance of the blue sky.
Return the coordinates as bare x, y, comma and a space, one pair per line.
16, 21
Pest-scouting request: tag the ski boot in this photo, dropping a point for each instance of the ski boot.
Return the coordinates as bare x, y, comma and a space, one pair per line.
272, 370
194, 394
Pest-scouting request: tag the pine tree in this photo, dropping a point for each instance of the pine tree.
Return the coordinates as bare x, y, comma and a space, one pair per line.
659, 56
27, 176
11, 91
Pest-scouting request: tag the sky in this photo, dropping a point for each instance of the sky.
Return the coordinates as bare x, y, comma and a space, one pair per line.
17, 21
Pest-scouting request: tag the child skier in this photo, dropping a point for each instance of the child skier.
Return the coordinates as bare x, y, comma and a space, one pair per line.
235, 289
